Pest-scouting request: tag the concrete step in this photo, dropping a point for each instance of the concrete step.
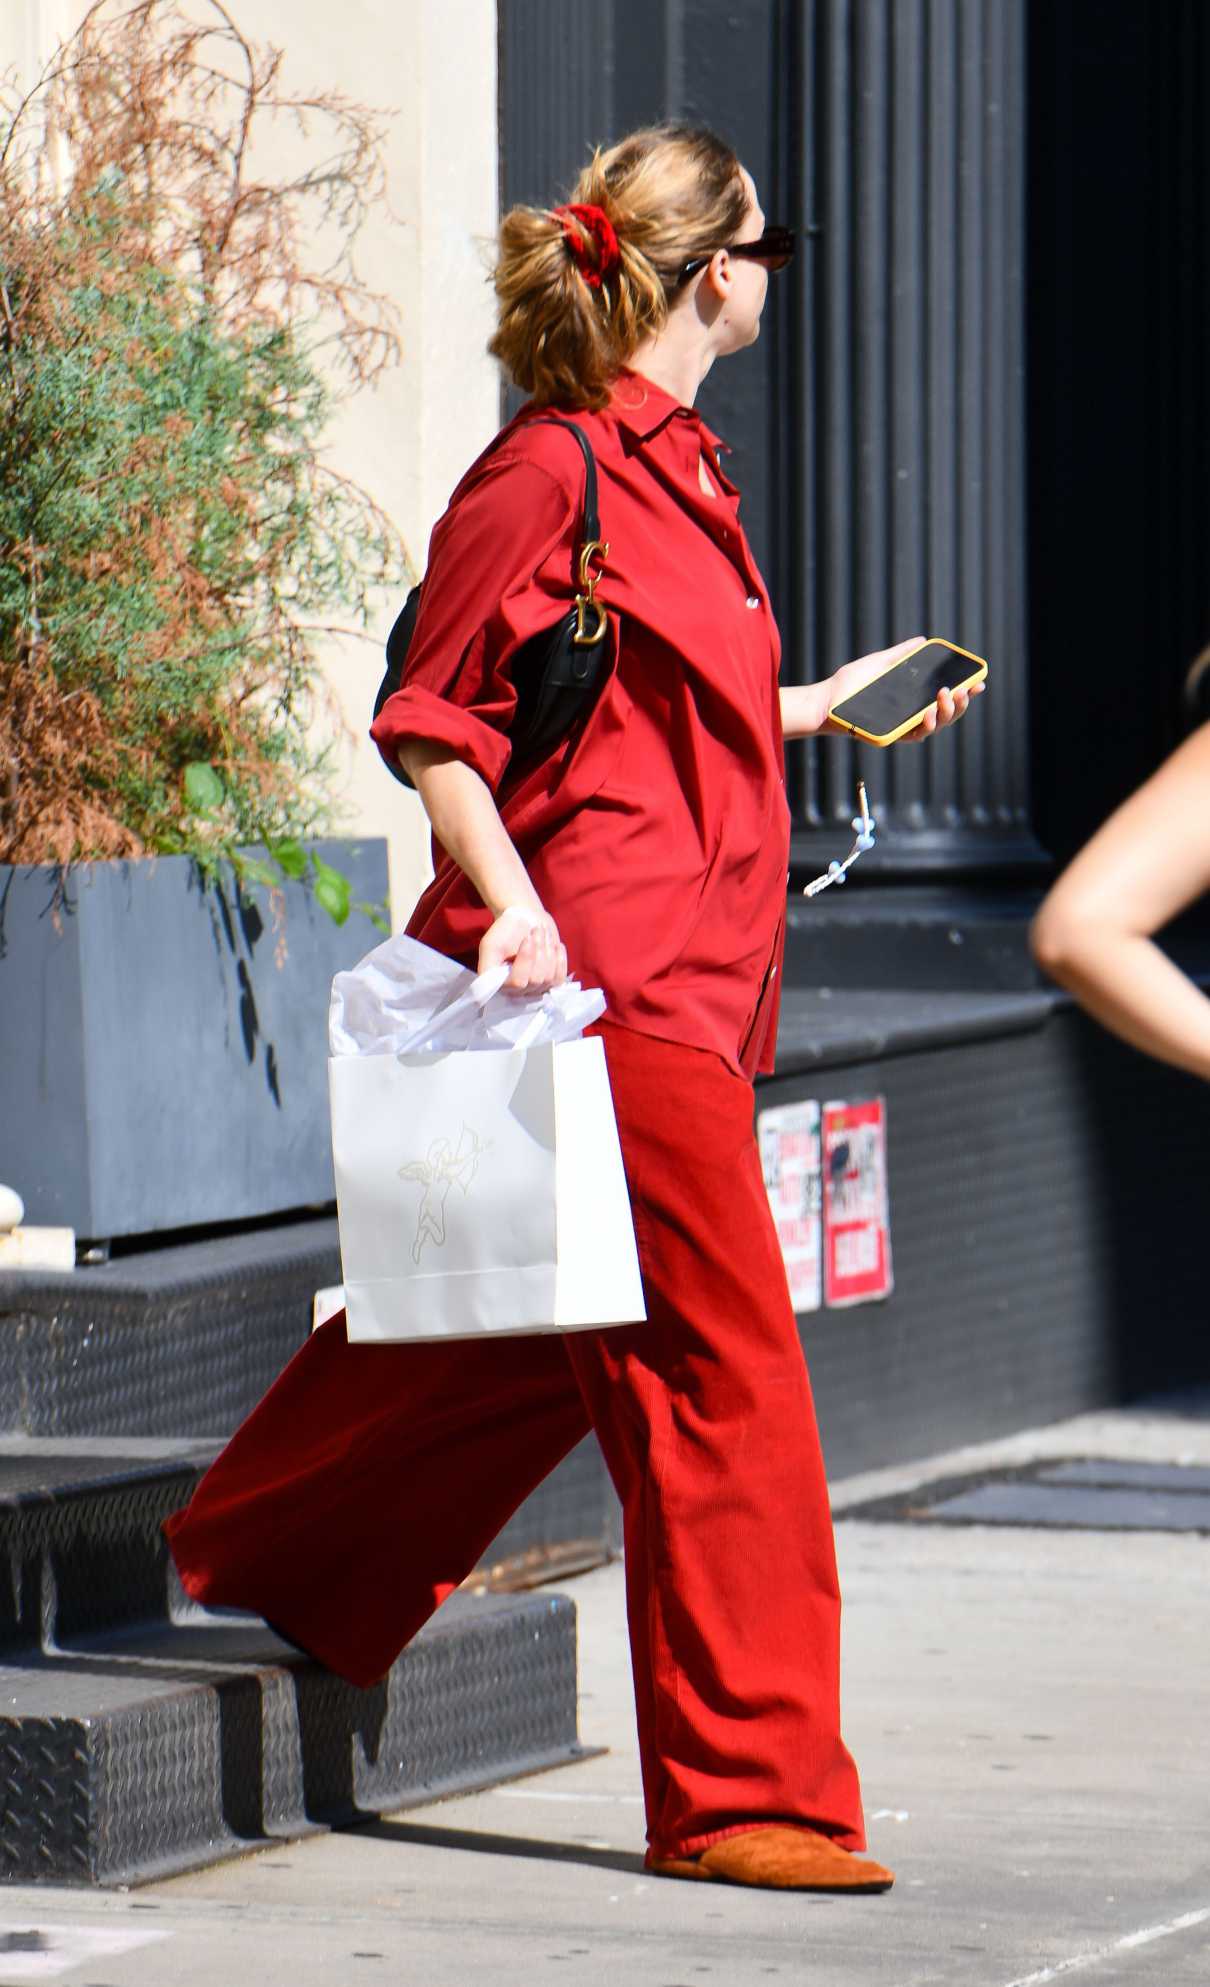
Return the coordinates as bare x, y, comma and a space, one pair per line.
145, 1752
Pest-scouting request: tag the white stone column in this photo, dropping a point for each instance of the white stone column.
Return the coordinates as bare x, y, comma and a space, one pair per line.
29, 32
408, 439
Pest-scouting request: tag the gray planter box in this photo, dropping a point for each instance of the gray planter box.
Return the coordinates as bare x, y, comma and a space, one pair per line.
159, 1069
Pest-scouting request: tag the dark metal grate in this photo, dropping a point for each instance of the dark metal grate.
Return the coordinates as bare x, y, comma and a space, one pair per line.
1084, 1494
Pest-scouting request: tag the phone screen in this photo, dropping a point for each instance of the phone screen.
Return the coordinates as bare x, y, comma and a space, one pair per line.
907, 690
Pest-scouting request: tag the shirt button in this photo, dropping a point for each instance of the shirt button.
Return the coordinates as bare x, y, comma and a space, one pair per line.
753, 600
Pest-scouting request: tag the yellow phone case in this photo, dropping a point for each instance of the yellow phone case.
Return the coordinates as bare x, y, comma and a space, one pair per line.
960, 683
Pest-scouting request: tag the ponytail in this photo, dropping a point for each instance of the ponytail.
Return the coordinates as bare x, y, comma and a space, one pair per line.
579, 287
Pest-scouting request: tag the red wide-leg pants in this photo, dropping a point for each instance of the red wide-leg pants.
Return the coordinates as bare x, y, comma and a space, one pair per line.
371, 1479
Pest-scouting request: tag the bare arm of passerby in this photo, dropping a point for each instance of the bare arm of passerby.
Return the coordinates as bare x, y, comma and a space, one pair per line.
467, 824
1094, 931
805, 706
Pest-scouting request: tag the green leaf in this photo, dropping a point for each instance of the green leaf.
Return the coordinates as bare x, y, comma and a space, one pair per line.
332, 892
291, 857
204, 790
377, 914
250, 869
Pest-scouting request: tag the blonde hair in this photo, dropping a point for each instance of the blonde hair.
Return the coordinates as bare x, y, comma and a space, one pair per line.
670, 192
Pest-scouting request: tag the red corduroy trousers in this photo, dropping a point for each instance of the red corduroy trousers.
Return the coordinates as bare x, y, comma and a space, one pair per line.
371, 1479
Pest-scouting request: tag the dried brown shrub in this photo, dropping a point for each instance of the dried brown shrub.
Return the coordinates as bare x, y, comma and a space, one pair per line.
172, 542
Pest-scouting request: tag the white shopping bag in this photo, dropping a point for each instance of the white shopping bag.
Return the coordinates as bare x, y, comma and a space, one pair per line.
479, 1178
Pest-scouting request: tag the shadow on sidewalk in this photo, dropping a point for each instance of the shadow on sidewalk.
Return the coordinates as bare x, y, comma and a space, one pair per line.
416, 1834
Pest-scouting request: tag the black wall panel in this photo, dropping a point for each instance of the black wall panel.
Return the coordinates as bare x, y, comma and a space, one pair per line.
980, 408
877, 427
1047, 1194
981, 404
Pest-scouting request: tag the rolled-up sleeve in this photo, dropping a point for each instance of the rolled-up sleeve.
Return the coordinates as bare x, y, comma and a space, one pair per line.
499, 571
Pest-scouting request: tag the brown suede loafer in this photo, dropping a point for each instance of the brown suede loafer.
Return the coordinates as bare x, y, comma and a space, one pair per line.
780, 1857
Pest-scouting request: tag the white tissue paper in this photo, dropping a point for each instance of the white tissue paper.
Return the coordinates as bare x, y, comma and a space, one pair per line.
403, 996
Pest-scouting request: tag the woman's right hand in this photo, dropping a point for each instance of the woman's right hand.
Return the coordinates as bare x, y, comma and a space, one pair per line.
530, 940
467, 824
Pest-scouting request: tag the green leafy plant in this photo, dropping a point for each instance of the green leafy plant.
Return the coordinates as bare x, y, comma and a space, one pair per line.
173, 544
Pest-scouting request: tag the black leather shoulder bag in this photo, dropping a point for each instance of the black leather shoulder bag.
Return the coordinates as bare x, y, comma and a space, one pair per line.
559, 672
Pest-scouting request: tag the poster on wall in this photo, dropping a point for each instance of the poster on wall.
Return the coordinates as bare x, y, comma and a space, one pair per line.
788, 1136
856, 1207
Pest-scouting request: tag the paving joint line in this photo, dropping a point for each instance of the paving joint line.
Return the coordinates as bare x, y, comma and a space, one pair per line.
1126, 1943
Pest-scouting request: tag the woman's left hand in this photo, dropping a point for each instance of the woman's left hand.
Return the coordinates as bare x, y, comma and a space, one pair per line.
949, 707
805, 706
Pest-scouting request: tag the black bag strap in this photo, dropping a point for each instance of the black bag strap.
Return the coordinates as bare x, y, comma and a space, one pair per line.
590, 548
590, 620
589, 537
590, 530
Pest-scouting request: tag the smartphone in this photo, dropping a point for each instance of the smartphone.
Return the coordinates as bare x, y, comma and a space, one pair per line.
895, 702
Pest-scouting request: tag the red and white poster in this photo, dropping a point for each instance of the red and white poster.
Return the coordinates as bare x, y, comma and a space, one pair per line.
788, 1136
856, 1209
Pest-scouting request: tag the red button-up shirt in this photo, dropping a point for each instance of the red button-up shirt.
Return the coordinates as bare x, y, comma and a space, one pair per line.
659, 838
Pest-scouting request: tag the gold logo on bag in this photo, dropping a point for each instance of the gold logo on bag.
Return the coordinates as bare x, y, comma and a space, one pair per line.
448, 1165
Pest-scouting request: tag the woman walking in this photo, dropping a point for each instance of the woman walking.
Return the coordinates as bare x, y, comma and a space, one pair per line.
652, 851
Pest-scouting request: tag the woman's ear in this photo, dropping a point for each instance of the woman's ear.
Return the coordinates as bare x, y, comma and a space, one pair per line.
718, 275
712, 289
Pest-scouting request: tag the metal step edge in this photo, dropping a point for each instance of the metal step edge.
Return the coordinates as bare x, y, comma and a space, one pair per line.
82, 1559
174, 1341
81, 1360
128, 1758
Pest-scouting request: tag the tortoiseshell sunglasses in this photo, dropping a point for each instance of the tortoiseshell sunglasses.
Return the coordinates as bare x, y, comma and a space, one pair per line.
775, 248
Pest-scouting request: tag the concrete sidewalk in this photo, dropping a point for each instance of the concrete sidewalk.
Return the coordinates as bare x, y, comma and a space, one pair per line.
1031, 1713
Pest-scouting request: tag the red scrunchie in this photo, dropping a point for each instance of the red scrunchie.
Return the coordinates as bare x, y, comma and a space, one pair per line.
595, 223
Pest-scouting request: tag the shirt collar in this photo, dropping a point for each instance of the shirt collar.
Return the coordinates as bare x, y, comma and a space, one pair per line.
644, 409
